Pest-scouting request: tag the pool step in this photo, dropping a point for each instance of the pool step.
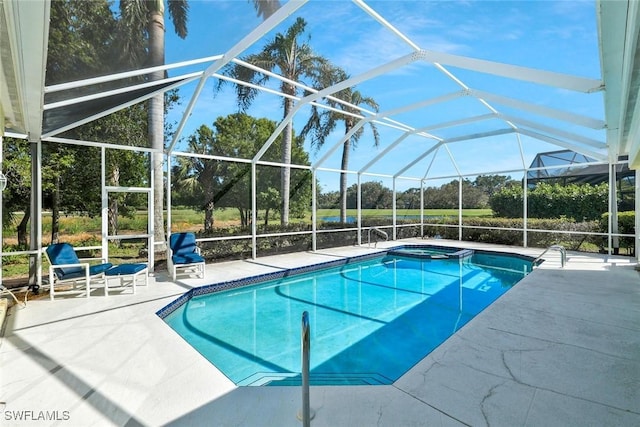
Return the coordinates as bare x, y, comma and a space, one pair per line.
283, 379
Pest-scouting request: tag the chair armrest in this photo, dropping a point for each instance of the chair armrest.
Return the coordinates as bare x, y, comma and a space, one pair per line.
103, 260
52, 267
84, 265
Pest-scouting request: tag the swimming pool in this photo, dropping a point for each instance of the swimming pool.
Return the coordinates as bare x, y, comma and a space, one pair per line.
372, 318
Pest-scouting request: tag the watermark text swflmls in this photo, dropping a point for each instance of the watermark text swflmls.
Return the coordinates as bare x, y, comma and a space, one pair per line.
29, 415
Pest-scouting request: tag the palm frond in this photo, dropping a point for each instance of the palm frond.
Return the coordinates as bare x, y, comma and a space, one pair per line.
179, 12
266, 8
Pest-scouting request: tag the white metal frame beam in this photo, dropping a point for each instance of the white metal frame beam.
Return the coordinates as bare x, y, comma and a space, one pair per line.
283, 12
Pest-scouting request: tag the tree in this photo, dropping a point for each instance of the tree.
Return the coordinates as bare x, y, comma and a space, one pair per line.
374, 195
446, 196
294, 60
198, 175
17, 169
490, 184
81, 44
222, 183
409, 199
323, 123
146, 18
85, 42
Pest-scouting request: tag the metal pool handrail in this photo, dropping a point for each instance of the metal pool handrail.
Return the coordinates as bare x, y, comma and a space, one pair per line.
560, 248
379, 232
306, 348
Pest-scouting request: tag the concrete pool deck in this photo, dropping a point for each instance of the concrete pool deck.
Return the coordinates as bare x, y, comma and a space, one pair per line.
561, 348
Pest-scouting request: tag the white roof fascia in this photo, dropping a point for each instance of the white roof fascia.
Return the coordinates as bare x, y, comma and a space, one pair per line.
29, 52
566, 116
548, 78
10, 96
615, 57
634, 140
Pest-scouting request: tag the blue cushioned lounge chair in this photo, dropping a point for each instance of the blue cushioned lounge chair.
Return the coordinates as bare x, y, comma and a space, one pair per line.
66, 268
184, 255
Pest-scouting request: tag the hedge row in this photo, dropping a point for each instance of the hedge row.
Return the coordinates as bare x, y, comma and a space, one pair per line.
580, 202
490, 230
503, 236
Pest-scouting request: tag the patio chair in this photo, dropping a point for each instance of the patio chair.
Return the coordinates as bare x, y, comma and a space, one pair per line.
65, 268
185, 255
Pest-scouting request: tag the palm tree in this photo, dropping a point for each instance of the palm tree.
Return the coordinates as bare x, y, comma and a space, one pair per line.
294, 60
198, 176
323, 123
146, 17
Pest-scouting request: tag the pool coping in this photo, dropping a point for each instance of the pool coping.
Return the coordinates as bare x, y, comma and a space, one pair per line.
561, 348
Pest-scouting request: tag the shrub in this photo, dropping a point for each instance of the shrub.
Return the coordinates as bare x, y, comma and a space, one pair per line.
580, 202
626, 225
535, 238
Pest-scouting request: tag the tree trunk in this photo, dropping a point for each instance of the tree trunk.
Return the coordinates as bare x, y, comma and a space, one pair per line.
208, 217
285, 172
22, 229
156, 122
243, 219
55, 211
113, 206
346, 148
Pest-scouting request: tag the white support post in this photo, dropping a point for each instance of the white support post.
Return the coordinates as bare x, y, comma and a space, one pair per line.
613, 207
525, 212
1, 191
637, 216
104, 216
169, 201
37, 213
394, 210
359, 206
459, 207
609, 222
151, 225
254, 212
314, 211
422, 208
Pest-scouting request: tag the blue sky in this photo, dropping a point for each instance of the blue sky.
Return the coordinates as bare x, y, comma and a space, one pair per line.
559, 36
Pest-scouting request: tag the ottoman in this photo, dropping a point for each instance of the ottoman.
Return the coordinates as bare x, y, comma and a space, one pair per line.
127, 274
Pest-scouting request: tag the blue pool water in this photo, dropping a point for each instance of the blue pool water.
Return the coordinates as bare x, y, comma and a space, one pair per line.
371, 321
